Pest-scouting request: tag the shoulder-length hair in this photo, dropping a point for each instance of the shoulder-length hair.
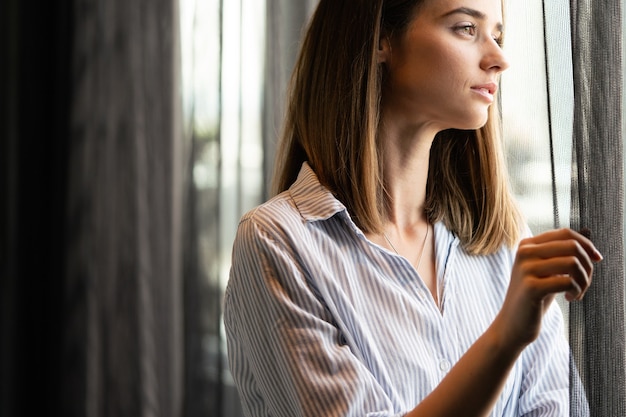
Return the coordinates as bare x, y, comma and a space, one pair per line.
332, 123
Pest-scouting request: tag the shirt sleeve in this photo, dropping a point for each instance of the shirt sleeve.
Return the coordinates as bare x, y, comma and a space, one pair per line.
546, 363
285, 353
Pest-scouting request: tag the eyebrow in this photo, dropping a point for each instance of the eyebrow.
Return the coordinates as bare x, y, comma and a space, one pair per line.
473, 13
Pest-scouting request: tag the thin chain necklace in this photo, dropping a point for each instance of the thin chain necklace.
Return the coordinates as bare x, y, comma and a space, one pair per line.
419, 260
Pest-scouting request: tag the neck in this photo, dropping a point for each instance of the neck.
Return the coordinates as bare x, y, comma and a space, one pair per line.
406, 161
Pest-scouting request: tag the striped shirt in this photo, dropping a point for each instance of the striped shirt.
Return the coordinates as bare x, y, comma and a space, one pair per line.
320, 321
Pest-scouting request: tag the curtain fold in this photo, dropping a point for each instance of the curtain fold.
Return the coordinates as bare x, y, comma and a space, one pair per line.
597, 323
286, 22
221, 182
123, 343
34, 80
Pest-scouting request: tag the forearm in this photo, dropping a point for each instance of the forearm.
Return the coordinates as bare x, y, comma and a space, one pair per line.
473, 385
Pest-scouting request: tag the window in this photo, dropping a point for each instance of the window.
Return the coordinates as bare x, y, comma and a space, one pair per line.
537, 106
223, 47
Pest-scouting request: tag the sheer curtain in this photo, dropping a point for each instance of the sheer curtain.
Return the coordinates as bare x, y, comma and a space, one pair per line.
564, 137
566, 124
597, 323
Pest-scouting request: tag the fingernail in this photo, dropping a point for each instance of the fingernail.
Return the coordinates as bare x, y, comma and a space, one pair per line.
586, 232
599, 256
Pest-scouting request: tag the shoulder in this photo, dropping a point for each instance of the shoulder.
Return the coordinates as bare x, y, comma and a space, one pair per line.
289, 214
264, 252
273, 215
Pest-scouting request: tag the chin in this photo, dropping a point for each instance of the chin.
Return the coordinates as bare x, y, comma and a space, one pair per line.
477, 122
466, 120
472, 126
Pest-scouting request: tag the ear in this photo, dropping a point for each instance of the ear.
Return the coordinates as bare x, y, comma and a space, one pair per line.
384, 50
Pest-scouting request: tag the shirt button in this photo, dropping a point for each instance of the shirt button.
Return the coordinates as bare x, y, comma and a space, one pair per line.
444, 365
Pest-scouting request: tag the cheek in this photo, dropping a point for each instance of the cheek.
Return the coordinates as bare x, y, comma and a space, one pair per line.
428, 72
446, 59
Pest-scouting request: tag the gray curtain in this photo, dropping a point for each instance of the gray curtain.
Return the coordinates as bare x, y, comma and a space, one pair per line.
286, 21
597, 323
122, 347
209, 389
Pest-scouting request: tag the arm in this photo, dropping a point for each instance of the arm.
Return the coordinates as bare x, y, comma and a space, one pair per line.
287, 355
550, 263
285, 350
545, 387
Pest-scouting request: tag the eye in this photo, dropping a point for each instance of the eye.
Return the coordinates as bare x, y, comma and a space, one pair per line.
499, 40
467, 29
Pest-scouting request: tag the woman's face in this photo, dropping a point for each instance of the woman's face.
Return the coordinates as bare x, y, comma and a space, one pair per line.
443, 71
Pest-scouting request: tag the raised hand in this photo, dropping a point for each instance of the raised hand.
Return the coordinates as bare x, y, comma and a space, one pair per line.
558, 261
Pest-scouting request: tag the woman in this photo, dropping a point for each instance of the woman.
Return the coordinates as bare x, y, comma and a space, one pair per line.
389, 276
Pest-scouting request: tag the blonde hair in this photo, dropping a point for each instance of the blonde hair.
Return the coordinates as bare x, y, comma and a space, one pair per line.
332, 123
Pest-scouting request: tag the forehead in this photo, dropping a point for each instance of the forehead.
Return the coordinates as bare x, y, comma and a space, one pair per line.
490, 9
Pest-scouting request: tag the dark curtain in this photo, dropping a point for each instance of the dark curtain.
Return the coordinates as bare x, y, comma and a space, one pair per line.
91, 282
286, 21
35, 78
597, 323
123, 340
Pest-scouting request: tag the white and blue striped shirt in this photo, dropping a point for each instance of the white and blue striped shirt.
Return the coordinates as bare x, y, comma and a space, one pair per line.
320, 321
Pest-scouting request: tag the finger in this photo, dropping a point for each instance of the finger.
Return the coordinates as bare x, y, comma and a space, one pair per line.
557, 249
564, 235
569, 266
548, 286
561, 257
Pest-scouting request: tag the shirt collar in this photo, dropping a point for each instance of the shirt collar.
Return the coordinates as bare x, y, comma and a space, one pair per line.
313, 200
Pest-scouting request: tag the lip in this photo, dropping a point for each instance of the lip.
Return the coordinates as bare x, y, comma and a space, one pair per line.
486, 91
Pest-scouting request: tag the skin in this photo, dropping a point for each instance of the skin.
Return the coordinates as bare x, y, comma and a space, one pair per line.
440, 75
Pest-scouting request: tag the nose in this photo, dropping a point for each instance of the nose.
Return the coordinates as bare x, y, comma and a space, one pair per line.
494, 58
